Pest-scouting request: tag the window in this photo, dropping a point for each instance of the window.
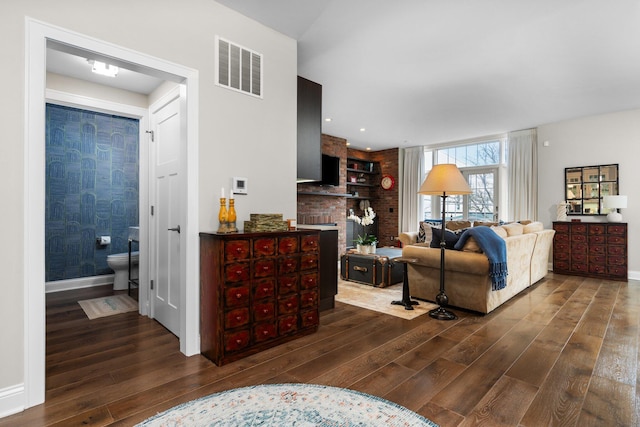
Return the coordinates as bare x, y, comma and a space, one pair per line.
480, 163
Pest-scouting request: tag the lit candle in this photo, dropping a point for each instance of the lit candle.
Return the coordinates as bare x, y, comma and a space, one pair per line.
222, 193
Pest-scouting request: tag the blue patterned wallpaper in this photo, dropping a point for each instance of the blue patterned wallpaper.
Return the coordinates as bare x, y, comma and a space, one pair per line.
91, 189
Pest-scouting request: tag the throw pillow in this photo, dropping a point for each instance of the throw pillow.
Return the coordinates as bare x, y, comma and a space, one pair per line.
500, 231
457, 225
533, 227
514, 229
424, 231
485, 223
450, 237
471, 245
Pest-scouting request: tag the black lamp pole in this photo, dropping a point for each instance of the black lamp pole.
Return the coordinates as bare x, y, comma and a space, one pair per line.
441, 313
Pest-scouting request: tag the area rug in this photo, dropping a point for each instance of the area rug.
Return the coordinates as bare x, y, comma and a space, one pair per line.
379, 299
107, 306
278, 405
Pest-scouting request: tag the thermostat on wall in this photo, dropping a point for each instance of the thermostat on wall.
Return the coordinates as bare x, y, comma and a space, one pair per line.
239, 185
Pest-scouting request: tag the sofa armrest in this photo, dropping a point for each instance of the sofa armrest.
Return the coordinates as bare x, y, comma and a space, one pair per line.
541, 257
467, 262
408, 238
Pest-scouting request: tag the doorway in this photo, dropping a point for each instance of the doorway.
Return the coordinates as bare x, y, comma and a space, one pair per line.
37, 36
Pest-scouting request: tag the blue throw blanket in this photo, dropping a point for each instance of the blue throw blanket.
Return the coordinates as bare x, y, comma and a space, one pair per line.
495, 248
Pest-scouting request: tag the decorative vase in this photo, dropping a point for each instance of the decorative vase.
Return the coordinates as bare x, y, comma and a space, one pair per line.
363, 249
366, 248
561, 211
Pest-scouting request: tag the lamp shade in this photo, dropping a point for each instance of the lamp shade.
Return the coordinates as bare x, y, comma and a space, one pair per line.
444, 179
615, 202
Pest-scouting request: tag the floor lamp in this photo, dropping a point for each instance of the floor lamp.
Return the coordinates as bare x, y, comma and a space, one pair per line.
443, 180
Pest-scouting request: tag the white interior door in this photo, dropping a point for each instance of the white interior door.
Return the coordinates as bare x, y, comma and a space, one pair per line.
166, 215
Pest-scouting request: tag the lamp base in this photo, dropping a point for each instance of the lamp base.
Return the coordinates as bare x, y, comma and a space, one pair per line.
442, 313
614, 217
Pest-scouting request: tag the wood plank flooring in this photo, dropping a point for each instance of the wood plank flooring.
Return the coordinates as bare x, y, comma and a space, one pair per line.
564, 352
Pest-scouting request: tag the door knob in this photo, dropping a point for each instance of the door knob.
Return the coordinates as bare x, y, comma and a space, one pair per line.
174, 229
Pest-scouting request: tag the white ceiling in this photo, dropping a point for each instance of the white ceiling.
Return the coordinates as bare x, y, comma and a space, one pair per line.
415, 72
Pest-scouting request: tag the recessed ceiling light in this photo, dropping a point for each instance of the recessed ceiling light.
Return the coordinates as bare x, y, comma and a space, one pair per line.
102, 68
328, 119
362, 129
368, 148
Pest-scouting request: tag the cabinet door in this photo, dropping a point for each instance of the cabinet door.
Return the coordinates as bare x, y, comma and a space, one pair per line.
236, 296
264, 247
287, 245
236, 250
310, 243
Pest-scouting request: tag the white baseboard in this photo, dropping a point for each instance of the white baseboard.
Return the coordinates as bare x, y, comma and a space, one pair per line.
82, 282
11, 400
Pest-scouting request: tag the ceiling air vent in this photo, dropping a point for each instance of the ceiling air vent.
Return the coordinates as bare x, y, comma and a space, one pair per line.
239, 68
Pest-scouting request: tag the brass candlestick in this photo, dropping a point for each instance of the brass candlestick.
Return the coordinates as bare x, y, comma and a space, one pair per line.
231, 217
227, 218
223, 216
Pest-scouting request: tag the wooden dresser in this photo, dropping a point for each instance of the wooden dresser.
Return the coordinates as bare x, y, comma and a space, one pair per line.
591, 249
258, 290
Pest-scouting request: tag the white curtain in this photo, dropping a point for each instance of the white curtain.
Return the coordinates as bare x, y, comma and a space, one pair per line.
412, 177
523, 174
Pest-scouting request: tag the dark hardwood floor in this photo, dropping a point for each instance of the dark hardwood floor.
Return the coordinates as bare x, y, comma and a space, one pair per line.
564, 352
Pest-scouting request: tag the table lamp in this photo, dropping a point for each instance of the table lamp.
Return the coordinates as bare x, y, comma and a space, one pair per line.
614, 203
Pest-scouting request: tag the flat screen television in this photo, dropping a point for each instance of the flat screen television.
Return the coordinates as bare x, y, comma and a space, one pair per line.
330, 170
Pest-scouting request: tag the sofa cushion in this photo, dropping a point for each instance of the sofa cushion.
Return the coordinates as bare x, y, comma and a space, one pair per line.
485, 223
513, 229
457, 225
533, 227
500, 231
450, 237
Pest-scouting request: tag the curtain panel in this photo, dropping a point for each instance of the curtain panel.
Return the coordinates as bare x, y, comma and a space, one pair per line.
522, 175
412, 177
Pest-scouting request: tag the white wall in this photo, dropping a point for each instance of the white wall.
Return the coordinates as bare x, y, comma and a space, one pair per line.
239, 135
595, 140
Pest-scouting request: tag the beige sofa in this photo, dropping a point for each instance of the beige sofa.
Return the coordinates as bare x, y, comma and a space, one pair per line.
467, 281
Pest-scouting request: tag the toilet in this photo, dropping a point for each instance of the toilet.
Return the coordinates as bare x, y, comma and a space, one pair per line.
119, 263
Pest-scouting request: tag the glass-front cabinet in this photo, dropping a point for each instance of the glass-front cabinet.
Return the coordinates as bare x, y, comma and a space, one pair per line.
586, 186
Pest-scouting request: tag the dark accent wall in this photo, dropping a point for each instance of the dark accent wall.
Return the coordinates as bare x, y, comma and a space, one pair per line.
92, 163
309, 130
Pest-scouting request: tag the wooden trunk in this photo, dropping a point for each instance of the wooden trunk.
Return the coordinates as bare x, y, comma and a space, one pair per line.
375, 269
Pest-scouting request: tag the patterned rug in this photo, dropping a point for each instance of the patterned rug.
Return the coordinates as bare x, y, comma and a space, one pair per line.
107, 306
379, 299
278, 405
